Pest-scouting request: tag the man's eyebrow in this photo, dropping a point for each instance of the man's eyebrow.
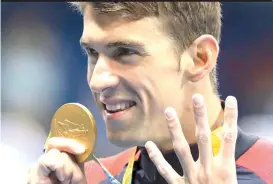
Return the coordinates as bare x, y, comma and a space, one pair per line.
123, 43
117, 44
126, 43
130, 45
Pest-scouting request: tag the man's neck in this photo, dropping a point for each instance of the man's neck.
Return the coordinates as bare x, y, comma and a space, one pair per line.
215, 115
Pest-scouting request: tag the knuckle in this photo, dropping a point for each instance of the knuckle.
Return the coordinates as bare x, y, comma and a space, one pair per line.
50, 157
198, 112
203, 138
201, 123
172, 124
60, 165
231, 114
229, 137
162, 170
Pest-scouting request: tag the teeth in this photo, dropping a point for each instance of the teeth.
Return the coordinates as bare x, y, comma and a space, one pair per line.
118, 107
122, 106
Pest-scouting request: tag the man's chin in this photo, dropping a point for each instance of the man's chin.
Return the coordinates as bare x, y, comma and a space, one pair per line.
123, 142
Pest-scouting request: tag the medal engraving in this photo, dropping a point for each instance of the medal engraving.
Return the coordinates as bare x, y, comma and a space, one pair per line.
69, 129
74, 121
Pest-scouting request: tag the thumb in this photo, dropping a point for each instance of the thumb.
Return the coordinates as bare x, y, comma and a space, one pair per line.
65, 145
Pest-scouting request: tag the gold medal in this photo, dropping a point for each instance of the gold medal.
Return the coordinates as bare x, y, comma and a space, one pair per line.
75, 121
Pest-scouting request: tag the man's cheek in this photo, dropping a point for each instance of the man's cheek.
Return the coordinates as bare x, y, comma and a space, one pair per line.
89, 74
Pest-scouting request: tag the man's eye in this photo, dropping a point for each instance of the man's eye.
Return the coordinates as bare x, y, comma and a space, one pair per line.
120, 52
93, 55
92, 52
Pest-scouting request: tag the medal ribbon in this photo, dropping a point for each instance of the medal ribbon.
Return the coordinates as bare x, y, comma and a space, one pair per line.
109, 176
216, 141
127, 177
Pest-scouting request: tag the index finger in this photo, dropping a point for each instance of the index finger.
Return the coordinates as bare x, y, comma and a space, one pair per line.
65, 145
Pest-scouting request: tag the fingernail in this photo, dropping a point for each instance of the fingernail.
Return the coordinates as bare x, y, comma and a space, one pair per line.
198, 100
231, 102
170, 113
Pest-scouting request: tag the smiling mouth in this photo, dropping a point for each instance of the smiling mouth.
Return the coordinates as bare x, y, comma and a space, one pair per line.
122, 106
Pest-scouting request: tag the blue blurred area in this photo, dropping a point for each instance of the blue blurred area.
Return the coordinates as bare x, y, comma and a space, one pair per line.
43, 67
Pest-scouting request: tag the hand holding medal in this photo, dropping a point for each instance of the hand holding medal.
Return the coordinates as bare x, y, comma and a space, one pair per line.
71, 140
75, 121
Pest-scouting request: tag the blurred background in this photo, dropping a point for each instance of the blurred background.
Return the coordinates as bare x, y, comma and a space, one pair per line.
42, 67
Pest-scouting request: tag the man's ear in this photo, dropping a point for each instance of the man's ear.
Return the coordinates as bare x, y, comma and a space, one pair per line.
204, 52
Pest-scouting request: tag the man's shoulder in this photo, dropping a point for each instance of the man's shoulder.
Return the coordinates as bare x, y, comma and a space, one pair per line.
114, 164
257, 162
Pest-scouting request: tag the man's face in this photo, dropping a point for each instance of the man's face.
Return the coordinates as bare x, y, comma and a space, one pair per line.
134, 75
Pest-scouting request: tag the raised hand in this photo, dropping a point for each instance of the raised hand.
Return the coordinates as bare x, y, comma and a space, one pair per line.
208, 169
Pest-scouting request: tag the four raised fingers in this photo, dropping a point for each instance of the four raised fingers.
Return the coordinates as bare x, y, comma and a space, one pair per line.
203, 135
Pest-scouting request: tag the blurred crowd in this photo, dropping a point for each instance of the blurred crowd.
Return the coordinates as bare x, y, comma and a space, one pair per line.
43, 67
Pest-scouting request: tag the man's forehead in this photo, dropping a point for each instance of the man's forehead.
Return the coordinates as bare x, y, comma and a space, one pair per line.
118, 30
104, 20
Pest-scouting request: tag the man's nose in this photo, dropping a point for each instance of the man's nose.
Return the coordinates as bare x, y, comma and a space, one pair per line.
103, 77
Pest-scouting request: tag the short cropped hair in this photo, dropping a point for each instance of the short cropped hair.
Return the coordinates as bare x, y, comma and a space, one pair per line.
183, 21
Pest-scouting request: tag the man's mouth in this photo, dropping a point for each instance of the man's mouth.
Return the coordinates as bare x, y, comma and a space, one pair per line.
122, 106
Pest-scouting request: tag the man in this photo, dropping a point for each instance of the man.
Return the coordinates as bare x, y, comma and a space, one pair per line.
152, 71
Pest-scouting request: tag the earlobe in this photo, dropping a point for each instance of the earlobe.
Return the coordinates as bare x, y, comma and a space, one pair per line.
204, 57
